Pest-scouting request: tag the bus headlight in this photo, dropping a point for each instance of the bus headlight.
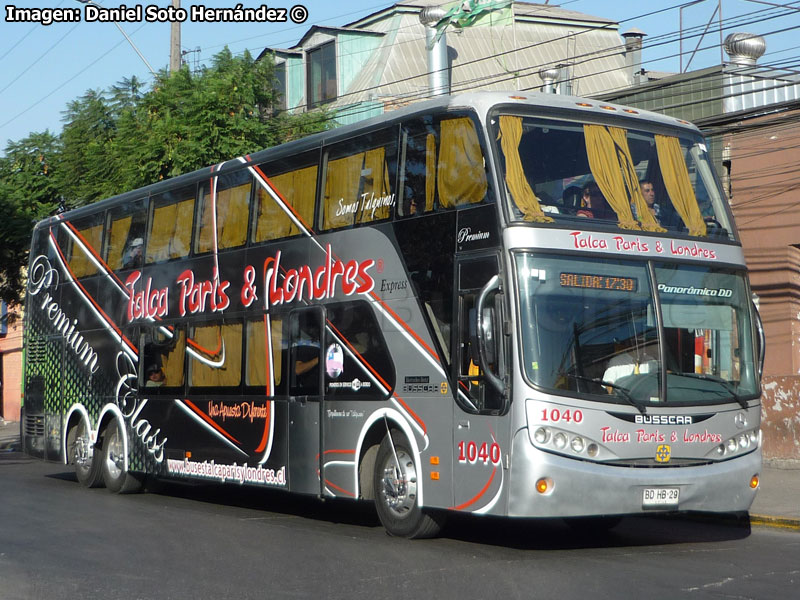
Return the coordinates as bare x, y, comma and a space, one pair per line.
739, 444
542, 435
577, 445
560, 440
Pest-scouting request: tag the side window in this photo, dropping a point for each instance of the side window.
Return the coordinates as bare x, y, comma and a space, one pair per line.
443, 166
125, 235
83, 243
224, 201
304, 333
357, 362
170, 227
286, 191
265, 354
215, 355
360, 180
163, 360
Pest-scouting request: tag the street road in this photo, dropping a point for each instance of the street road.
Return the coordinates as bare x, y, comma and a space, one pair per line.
61, 541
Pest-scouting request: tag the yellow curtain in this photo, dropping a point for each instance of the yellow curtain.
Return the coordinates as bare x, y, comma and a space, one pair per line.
256, 352
298, 188
461, 172
430, 172
80, 263
375, 187
182, 229
230, 373
205, 229
117, 240
341, 191
605, 168
172, 362
678, 184
232, 213
524, 197
161, 229
648, 221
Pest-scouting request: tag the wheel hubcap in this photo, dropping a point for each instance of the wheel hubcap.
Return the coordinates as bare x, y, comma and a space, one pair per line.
399, 490
114, 457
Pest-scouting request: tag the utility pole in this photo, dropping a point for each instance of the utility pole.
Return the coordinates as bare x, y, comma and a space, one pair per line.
175, 42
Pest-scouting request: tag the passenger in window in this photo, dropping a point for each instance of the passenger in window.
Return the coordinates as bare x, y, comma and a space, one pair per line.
649, 193
594, 203
154, 376
133, 257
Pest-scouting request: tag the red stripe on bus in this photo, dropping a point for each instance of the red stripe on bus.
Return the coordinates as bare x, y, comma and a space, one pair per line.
476, 498
108, 269
208, 419
88, 296
406, 326
289, 206
414, 415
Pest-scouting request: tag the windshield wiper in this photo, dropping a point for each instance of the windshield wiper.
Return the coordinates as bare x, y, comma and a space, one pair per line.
725, 384
624, 392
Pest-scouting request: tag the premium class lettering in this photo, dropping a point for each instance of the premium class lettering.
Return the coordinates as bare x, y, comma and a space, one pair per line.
41, 277
303, 283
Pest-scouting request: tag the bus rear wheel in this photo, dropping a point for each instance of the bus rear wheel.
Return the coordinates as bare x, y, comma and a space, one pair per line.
395, 485
115, 475
82, 453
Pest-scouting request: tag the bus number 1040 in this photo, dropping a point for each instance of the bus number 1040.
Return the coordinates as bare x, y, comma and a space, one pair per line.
470, 452
554, 415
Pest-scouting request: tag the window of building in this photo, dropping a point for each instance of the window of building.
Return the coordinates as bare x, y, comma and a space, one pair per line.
321, 74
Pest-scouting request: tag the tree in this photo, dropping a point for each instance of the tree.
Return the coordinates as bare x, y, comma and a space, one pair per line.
29, 191
127, 138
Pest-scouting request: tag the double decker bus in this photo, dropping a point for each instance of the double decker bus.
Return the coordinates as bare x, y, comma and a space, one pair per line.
521, 305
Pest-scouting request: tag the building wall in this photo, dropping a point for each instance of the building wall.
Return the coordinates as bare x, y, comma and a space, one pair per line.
11, 357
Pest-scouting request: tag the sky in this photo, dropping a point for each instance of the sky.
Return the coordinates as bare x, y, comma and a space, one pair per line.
44, 67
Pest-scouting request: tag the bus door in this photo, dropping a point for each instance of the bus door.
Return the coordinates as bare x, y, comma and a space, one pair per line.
481, 436
305, 376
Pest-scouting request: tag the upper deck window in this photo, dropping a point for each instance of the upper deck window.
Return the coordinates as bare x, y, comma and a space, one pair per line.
634, 180
224, 208
170, 225
443, 165
84, 245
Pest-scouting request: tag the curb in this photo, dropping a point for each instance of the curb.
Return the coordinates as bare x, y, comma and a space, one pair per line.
777, 522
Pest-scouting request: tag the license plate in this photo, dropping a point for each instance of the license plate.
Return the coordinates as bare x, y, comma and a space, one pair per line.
660, 497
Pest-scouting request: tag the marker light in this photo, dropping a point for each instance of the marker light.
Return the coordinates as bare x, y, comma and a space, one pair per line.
544, 485
754, 481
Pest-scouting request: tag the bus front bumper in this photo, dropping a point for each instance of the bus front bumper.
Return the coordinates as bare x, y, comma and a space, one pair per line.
542, 484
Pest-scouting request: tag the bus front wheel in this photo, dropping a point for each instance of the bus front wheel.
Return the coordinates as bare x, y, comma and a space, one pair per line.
395, 484
117, 479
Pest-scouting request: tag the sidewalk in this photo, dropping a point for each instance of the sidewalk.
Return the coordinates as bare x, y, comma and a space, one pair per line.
777, 503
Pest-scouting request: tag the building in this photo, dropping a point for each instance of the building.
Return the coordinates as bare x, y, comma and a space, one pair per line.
750, 115
10, 364
381, 61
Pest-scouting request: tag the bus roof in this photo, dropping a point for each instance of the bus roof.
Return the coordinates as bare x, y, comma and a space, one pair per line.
482, 102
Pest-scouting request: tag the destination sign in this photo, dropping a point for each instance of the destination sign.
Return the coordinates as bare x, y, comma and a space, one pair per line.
599, 282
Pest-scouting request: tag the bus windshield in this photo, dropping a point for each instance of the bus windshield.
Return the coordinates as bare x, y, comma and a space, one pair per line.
594, 328
560, 171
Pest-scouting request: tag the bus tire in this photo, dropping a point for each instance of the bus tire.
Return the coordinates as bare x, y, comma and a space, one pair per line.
83, 454
395, 491
115, 475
